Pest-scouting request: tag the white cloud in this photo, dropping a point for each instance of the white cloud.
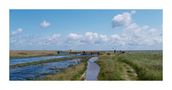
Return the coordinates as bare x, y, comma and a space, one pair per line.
45, 24
133, 33
19, 30
86, 38
90, 36
123, 19
104, 38
93, 38
53, 39
73, 36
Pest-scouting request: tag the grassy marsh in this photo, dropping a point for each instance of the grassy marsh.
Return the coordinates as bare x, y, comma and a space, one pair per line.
31, 53
45, 61
131, 66
71, 73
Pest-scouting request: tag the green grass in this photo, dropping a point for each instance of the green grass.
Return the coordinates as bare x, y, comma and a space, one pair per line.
45, 61
147, 65
71, 73
132, 66
110, 68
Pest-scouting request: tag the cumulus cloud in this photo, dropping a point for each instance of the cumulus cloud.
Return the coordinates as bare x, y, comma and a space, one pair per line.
53, 39
19, 30
115, 38
104, 38
86, 38
123, 19
73, 36
93, 38
45, 24
90, 37
133, 33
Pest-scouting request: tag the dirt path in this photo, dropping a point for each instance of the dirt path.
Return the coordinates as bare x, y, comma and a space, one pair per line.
130, 73
92, 69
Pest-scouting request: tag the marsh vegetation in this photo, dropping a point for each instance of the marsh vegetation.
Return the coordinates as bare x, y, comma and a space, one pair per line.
114, 65
131, 66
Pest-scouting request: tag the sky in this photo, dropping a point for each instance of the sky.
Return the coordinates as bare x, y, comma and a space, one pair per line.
85, 29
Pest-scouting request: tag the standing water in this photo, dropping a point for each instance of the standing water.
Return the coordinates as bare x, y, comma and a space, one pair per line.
92, 69
41, 70
31, 59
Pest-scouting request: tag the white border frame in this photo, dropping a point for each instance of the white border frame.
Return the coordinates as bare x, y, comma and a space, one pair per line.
5, 5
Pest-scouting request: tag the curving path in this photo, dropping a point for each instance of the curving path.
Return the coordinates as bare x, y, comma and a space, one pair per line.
92, 69
130, 73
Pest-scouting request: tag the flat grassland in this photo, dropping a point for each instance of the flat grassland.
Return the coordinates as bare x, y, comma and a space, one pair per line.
30, 53
131, 66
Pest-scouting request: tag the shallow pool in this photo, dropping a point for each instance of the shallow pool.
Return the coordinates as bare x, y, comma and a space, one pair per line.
39, 71
31, 59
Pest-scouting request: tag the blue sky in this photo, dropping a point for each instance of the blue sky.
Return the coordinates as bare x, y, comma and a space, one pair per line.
85, 29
